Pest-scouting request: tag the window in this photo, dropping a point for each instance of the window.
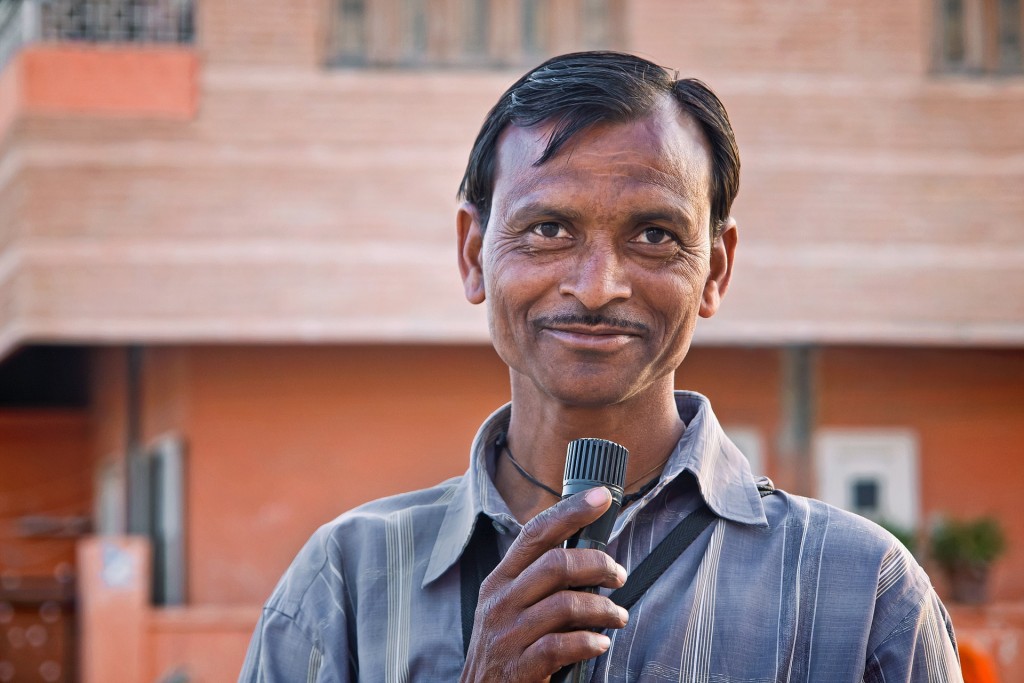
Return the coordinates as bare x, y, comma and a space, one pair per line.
131, 21
979, 36
865, 496
870, 472
491, 33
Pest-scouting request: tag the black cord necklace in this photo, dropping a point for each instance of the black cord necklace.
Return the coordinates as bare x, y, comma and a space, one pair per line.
501, 444
630, 498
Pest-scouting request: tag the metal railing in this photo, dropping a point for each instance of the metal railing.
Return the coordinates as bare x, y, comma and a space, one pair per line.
132, 21
468, 33
107, 21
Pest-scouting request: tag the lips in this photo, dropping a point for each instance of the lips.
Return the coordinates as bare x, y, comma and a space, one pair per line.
595, 330
592, 338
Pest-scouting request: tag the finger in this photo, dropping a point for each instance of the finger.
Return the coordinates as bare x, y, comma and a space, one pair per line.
551, 527
561, 568
556, 650
570, 610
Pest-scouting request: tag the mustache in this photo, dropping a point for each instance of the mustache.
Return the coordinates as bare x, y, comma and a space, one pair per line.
590, 320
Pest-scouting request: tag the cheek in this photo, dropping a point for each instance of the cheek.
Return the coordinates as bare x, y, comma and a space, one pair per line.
514, 287
508, 314
677, 306
504, 304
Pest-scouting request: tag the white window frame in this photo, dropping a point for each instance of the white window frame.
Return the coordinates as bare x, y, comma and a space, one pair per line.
841, 456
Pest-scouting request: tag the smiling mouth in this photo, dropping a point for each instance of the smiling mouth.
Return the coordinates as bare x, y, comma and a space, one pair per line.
594, 330
591, 324
591, 339
591, 333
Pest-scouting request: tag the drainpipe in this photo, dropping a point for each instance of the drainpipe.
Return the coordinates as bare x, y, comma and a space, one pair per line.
797, 419
138, 481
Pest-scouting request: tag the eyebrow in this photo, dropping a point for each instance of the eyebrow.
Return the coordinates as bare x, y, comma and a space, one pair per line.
543, 208
674, 216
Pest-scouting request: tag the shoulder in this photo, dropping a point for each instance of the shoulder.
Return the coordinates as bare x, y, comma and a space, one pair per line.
844, 579
851, 552
835, 528
860, 561
318, 578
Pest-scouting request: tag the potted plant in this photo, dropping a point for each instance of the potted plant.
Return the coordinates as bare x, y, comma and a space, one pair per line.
965, 550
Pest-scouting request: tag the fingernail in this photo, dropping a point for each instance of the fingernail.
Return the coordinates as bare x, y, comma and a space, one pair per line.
624, 615
620, 571
597, 497
602, 641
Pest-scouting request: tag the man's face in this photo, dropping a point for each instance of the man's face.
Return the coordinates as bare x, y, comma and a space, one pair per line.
595, 265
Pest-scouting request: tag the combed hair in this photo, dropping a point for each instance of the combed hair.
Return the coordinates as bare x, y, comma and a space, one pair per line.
576, 91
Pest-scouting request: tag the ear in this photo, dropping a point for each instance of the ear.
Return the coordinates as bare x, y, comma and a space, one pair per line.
723, 251
471, 241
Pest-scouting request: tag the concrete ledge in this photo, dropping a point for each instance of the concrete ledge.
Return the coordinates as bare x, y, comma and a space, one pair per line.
148, 81
205, 643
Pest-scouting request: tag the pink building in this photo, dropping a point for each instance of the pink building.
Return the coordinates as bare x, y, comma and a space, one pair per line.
227, 264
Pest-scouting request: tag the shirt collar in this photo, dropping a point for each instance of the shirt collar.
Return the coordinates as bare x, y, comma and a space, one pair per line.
722, 473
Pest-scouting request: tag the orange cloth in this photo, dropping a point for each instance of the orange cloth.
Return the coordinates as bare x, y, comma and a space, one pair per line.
977, 666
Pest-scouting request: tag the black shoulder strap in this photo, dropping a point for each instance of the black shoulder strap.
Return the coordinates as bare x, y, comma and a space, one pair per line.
663, 555
478, 560
671, 547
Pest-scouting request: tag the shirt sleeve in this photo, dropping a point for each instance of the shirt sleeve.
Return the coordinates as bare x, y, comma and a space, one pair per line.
280, 651
922, 648
302, 633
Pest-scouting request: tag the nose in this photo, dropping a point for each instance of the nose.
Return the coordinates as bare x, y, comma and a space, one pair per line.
597, 277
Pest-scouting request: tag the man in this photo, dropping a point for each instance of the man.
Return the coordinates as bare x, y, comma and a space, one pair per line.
596, 230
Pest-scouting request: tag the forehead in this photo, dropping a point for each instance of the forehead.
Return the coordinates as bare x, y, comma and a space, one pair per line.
666, 151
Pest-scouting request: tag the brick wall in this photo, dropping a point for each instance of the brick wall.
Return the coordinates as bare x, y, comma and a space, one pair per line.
251, 32
875, 37
287, 195
878, 203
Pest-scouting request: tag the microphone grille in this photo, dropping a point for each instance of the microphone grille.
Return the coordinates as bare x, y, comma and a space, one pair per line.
597, 460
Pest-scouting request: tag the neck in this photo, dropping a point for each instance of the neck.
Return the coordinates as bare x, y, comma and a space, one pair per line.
540, 430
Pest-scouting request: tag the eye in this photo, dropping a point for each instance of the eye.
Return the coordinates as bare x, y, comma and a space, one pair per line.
655, 236
550, 230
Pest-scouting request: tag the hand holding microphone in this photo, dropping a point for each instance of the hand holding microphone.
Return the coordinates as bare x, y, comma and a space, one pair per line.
531, 619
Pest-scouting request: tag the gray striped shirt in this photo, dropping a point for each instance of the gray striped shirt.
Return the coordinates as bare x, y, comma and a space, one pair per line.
781, 588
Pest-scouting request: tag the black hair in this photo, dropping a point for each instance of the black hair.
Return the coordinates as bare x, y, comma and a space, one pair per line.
581, 89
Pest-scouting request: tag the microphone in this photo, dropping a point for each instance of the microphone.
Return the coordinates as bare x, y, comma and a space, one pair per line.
590, 463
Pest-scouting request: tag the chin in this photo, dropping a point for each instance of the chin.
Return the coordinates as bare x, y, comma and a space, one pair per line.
595, 393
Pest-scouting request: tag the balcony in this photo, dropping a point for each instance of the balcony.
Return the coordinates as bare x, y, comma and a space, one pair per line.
115, 21
469, 33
